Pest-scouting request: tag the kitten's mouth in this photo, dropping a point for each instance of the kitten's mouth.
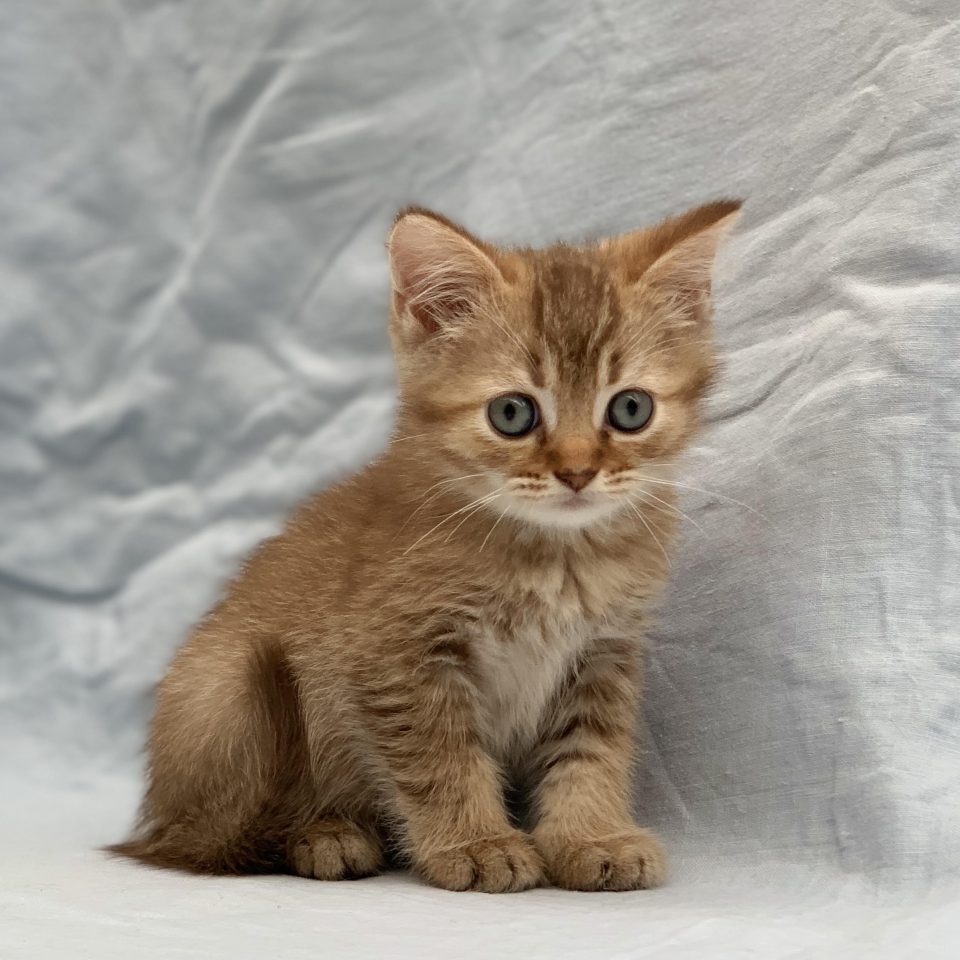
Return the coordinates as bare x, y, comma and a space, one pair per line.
575, 501
569, 510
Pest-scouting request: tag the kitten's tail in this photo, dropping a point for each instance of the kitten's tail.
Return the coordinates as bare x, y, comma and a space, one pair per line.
152, 851
196, 851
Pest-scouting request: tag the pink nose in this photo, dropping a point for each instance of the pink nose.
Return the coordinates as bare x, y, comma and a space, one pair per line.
575, 479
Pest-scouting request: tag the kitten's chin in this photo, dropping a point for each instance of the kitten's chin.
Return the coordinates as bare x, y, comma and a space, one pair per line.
572, 512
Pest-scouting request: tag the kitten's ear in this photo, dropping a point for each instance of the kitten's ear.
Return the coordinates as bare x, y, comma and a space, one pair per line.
675, 258
440, 274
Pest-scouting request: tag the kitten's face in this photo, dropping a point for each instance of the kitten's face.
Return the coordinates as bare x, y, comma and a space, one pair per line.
553, 386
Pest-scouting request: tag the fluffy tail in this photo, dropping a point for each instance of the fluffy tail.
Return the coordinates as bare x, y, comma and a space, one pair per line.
208, 848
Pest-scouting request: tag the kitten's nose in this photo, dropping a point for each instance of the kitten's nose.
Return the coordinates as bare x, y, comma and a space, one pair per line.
575, 479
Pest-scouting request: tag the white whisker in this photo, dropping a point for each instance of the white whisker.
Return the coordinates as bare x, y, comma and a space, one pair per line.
440, 493
480, 500
670, 506
709, 493
487, 500
490, 531
656, 539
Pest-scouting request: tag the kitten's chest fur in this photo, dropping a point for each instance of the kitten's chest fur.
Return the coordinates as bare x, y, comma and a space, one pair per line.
521, 670
547, 617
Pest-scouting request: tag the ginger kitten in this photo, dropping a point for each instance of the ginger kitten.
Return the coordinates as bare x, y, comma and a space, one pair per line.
461, 620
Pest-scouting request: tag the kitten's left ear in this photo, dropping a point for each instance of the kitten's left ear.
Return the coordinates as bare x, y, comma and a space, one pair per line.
441, 274
675, 258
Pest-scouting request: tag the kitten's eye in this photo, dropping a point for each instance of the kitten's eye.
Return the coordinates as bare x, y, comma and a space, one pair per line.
513, 414
630, 410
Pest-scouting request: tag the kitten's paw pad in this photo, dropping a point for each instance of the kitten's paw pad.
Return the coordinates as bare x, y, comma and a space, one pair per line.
336, 849
502, 864
624, 861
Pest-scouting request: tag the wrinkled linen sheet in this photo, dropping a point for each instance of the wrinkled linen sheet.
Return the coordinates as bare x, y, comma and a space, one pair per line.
193, 285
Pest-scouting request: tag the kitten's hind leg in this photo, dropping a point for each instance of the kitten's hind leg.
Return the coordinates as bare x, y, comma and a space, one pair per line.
335, 848
228, 768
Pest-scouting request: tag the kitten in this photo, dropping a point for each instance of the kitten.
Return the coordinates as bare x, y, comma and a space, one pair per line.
461, 620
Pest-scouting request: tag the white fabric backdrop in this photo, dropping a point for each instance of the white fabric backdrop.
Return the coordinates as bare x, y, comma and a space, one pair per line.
192, 302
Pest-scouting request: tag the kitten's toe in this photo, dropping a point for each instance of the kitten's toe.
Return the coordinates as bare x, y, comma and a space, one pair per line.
336, 849
625, 861
504, 864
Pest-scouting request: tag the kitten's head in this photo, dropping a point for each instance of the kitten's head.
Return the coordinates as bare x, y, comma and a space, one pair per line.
553, 381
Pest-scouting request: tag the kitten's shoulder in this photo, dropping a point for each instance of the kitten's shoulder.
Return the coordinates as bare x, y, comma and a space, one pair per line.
358, 509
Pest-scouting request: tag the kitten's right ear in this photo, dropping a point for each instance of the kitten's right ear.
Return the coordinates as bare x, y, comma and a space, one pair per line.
440, 274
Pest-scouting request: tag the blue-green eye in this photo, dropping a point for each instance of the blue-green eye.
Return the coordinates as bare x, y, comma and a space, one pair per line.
630, 410
513, 414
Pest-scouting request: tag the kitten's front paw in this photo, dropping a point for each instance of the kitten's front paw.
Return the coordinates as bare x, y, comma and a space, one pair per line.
501, 864
335, 849
624, 861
